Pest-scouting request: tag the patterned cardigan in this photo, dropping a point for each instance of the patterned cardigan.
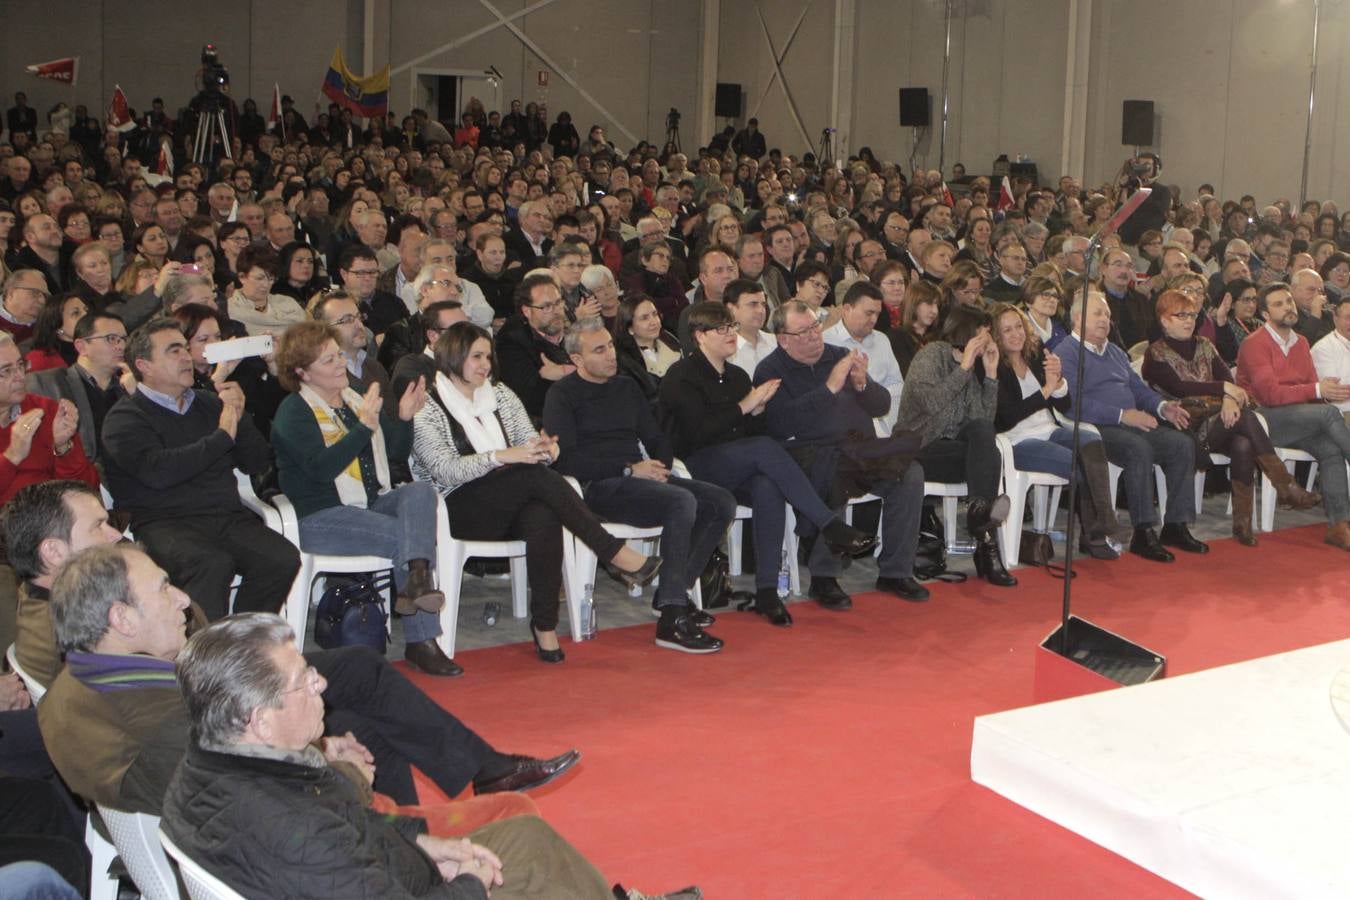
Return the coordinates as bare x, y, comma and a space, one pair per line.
439, 458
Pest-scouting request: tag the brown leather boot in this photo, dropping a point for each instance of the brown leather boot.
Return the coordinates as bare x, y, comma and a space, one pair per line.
1338, 535
1290, 493
1242, 514
418, 592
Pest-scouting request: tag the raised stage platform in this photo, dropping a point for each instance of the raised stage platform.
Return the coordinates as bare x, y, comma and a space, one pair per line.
1231, 782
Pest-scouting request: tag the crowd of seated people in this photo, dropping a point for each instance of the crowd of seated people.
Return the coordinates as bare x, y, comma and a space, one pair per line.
545, 334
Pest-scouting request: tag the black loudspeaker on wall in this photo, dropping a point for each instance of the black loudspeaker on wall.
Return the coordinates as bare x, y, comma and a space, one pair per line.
727, 104
1136, 123
914, 107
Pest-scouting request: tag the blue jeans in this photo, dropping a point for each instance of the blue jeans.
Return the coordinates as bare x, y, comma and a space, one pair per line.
762, 475
693, 516
1052, 455
1319, 429
400, 525
35, 881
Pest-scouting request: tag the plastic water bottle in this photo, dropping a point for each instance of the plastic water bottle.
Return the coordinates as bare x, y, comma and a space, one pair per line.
784, 579
588, 614
490, 611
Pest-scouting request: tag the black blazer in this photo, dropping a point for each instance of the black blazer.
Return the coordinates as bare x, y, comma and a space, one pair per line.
1012, 406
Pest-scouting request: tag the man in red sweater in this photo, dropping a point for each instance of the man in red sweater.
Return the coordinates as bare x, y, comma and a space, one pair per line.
40, 436
1275, 367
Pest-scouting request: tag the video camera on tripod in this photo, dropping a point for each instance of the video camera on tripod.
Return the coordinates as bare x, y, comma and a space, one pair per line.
209, 106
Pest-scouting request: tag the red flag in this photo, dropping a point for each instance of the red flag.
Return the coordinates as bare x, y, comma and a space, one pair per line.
947, 194
164, 164
63, 70
1005, 196
274, 114
119, 111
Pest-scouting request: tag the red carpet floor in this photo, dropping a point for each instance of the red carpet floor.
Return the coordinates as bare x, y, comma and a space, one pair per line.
832, 759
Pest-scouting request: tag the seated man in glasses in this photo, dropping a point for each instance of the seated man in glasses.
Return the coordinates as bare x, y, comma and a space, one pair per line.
40, 435
95, 382
530, 353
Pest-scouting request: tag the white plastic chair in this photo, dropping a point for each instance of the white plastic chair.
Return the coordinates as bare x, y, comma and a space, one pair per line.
1159, 479
580, 563
736, 544
35, 690
102, 886
1017, 484
136, 837
1289, 456
201, 884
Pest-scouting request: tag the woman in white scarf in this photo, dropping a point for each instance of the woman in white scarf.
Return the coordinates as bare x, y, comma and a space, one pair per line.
476, 443
333, 447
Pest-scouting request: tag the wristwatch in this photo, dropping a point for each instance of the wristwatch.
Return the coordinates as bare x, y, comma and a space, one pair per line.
627, 471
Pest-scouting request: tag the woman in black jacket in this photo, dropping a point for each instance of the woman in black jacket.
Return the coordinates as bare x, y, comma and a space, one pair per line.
1031, 388
715, 422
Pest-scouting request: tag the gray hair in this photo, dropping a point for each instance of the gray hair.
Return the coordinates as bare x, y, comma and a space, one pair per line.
778, 318
1035, 230
597, 276
426, 274
84, 591
177, 289
425, 250
564, 249
226, 671
586, 325
1076, 308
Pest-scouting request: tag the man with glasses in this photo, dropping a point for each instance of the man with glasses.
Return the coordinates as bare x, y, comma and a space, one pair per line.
1012, 264
652, 233
41, 434
1310, 297
895, 236
567, 259
170, 456
530, 354
95, 382
25, 295
826, 403
813, 288
338, 309
443, 253
360, 271
1131, 312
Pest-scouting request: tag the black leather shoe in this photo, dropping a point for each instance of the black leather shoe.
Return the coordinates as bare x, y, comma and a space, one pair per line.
548, 656
700, 617
828, 593
1176, 534
989, 564
770, 607
984, 516
523, 773
680, 633
638, 578
1145, 543
1097, 547
845, 540
427, 656
904, 588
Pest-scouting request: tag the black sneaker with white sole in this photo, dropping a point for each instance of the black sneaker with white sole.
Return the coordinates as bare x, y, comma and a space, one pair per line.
702, 618
680, 633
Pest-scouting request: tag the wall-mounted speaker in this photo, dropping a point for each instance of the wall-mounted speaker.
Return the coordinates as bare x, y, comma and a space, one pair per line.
914, 107
727, 104
1136, 123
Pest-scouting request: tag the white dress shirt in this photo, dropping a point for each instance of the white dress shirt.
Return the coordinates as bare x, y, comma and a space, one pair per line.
1331, 357
748, 355
881, 367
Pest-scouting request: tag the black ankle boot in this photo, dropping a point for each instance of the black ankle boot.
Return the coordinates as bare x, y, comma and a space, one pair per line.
989, 564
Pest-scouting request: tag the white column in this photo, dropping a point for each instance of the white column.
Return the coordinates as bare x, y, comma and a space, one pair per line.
1073, 149
705, 123
841, 94
368, 38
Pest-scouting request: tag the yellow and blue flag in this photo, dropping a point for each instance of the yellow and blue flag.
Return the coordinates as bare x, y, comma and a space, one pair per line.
367, 96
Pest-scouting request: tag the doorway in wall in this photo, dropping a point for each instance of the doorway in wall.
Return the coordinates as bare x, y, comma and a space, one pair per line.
443, 93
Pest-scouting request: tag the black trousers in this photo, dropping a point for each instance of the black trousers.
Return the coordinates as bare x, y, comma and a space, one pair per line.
202, 554
400, 725
534, 504
971, 456
35, 824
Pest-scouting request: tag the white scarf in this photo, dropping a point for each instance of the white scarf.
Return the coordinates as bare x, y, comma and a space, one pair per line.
478, 417
351, 489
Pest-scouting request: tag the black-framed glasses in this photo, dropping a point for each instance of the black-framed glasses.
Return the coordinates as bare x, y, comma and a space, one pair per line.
112, 340
814, 328
545, 307
723, 329
1187, 314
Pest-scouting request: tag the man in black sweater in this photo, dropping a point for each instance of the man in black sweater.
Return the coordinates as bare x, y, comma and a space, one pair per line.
603, 424
171, 454
530, 354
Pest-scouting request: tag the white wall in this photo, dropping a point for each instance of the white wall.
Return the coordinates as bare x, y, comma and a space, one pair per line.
1229, 77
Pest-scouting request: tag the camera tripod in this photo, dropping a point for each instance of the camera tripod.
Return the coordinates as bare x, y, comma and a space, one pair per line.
825, 152
210, 126
673, 133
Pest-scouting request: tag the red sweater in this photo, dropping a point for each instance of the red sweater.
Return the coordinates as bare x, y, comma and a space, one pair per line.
1270, 377
42, 463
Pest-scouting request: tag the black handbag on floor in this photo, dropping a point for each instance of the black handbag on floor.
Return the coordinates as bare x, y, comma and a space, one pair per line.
930, 558
352, 613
